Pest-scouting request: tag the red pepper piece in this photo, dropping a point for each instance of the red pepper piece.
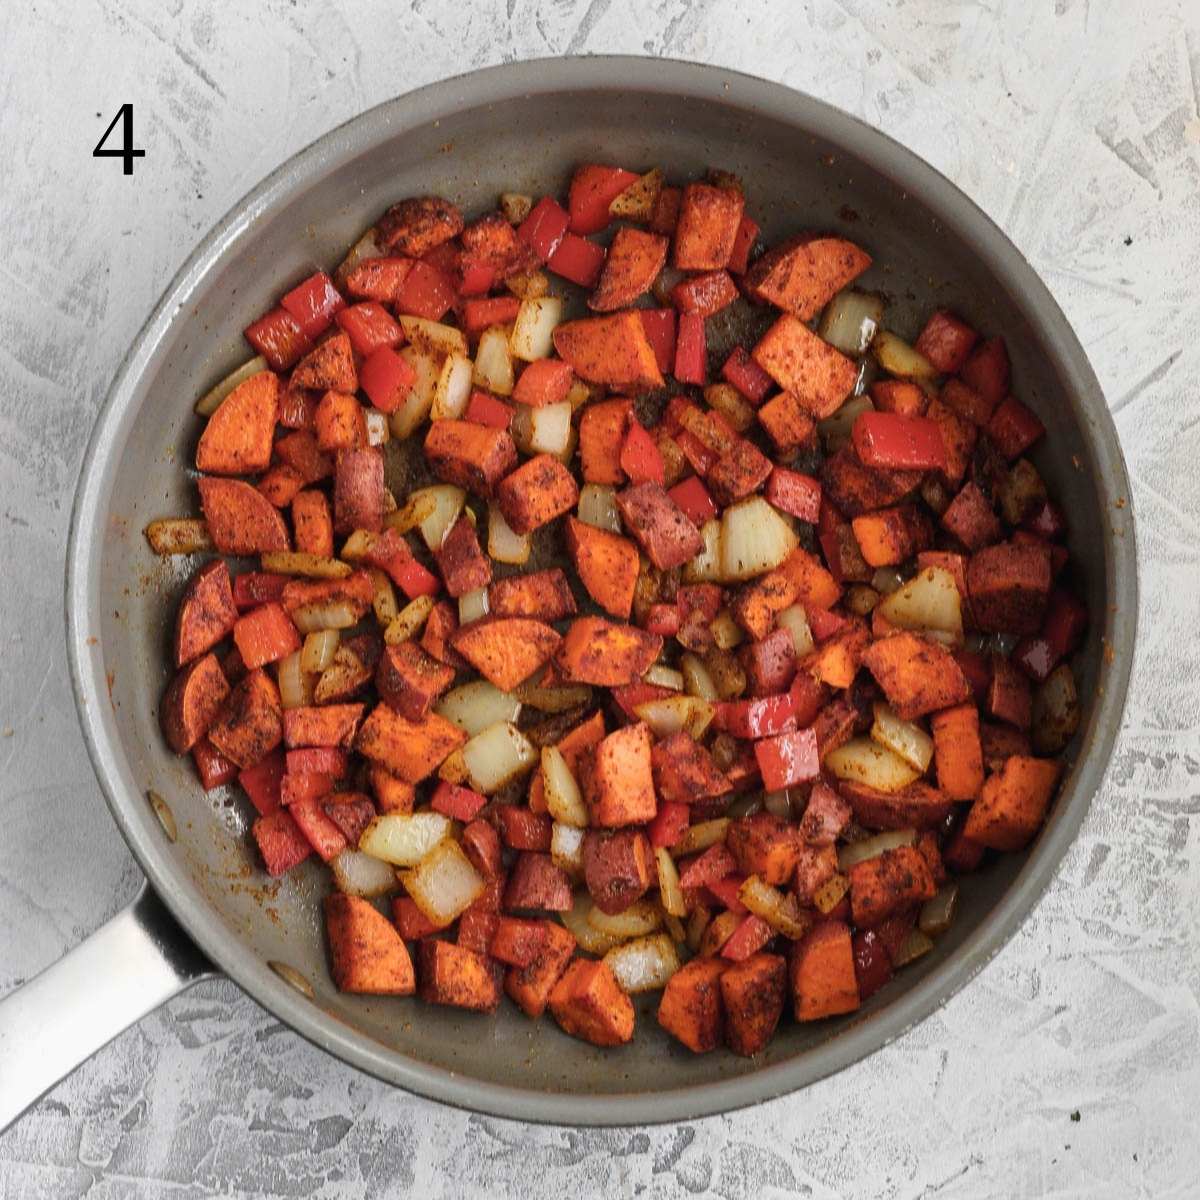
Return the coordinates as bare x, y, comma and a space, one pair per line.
747, 939
762, 717
894, 441
390, 553
1065, 622
426, 292
460, 803
725, 892
485, 409
946, 341
662, 619
265, 635
212, 766
594, 187
277, 336
412, 923
517, 941
659, 325
691, 353
252, 588
262, 781
319, 760
746, 375
323, 834
478, 315
1049, 522
314, 303
369, 326
694, 501
1014, 428
544, 381
700, 457
280, 842
302, 788
788, 759
387, 379
577, 259
476, 279
705, 869
872, 963
669, 823
743, 243
543, 229
795, 493
640, 457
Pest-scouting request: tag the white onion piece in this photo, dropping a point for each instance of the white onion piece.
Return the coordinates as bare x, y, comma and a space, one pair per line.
493, 362
453, 388
444, 883
938, 912
416, 405
533, 329
590, 939
495, 756
378, 429
898, 358
850, 321
835, 429
295, 687
409, 620
755, 538
696, 678
706, 566
318, 650
640, 918
441, 503
598, 507
874, 846
904, 738
549, 428
503, 545
564, 801
432, 338
700, 836
359, 874
566, 848
478, 705
664, 676
865, 761
404, 838
472, 606
336, 614
675, 714
644, 964
929, 603
795, 620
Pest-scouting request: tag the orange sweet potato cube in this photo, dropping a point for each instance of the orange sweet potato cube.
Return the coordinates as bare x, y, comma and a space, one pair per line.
602, 428
240, 519
411, 750
359, 494
764, 845
475, 457
611, 349
819, 376
957, 751
1012, 804
753, 992
815, 586
607, 565
822, 972
899, 396
606, 654
455, 976
588, 1003
249, 724
618, 868
684, 771
313, 523
536, 492
633, 263
329, 366
340, 422
691, 1009
917, 806
506, 650
756, 605
620, 785
707, 226
417, 224
887, 883
892, 535
1009, 584
836, 660
206, 612
321, 725
410, 680
366, 951
854, 489
530, 987
788, 421
802, 274
917, 676
237, 438
540, 595
192, 702
392, 794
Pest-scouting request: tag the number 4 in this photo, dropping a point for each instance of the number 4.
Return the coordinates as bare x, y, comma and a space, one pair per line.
126, 151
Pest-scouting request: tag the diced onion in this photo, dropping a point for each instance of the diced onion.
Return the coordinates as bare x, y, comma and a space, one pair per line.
528, 285
178, 535
755, 538
515, 206
444, 883
434, 339
359, 874
335, 614
366, 247
640, 918
416, 405
898, 358
566, 848
706, 566
698, 921
670, 893
211, 400
696, 679
318, 650
727, 400
503, 544
404, 838
644, 964
378, 431
564, 801
727, 633
850, 320
1056, 712
493, 363
534, 327
795, 620
477, 706
700, 836
590, 939
598, 507
674, 714
472, 606
500, 753
409, 620
835, 429
865, 761
298, 562
453, 388
663, 676
295, 687
717, 932
558, 699
831, 893
938, 912
549, 428
579, 394
383, 599
874, 846
913, 947
778, 803
441, 504
344, 675
904, 738
929, 602
778, 909
358, 545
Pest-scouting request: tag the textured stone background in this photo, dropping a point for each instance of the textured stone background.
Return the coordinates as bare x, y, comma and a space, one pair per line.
1075, 125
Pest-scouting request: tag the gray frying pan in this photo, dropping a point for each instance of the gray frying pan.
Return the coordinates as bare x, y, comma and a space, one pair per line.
207, 906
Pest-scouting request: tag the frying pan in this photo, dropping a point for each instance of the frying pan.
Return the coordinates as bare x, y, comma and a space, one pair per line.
207, 906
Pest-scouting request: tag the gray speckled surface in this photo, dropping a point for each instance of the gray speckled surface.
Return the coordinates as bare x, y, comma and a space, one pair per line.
1075, 125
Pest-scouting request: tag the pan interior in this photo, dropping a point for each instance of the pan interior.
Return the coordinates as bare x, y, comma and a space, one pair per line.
794, 180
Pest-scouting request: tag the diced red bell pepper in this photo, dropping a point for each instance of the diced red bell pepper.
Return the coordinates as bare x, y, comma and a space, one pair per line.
277, 336
872, 963
743, 243
987, 371
295, 789
261, 783
705, 294
476, 279
825, 623
691, 352
725, 892
412, 923
479, 315
978, 671
1014, 428
459, 803
659, 327
747, 376
517, 940
390, 553
543, 229
323, 834
521, 829
694, 501
669, 823
788, 759
445, 257
351, 812
946, 341
1049, 522
1035, 656
314, 303
809, 695
212, 766
577, 259
387, 378
747, 939
630, 695
426, 292
485, 409
281, 842
378, 279
369, 326
640, 457
705, 869
544, 381
795, 493
894, 441
265, 635
318, 760
662, 619
593, 189
838, 544
252, 588
700, 457
762, 717
475, 929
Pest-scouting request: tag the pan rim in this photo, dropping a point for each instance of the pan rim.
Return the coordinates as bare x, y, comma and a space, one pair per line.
736, 90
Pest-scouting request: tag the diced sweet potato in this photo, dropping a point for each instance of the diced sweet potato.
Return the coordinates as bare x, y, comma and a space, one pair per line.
240, 519
856, 489
1012, 804
410, 749
946, 341
707, 226
206, 612
691, 1009
506, 650
756, 605
966, 402
455, 976
300, 451
892, 535
739, 472
280, 841
440, 627
607, 565
802, 274
351, 812
618, 868
237, 438
250, 724
492, 241
321, 725
764, 845
358, 490
619, 788
634, 261
516, 940
475, 930
815, 586
970, 519
328, 366
899, 396
463, 565
588, 1003
958, 437
354, 589
917, 806
957, 752
787, 421
822, 973
987, 370
530, 987
684, 771
192, 702
280, 484
339, 422
410, 680
602, 429
366, 952
606, 654
1010, 698
917, 676
891, 881
612, 350
803, 364
753, 992
1008, 585
313, 523
836, 660
659, 525
417, 225
816, 866
537, 492
541, 595
475, 457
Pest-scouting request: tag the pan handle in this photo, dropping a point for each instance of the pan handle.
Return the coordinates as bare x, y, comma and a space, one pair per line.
60, 1018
